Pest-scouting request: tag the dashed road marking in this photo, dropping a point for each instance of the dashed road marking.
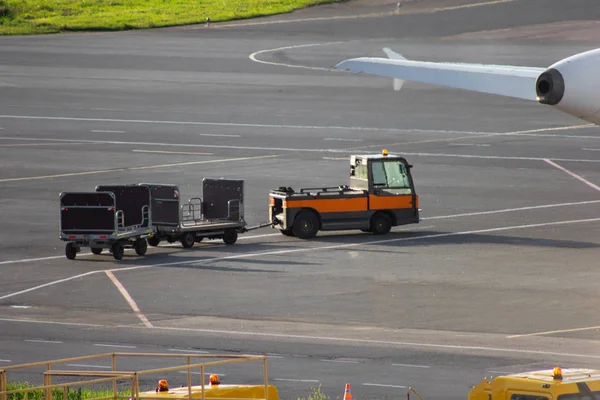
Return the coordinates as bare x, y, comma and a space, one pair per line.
190, 351
43, 341
341, 361
89, 366
296, 380
411, 365
588, 328
384, 385
114, 345
172, 152
105, 131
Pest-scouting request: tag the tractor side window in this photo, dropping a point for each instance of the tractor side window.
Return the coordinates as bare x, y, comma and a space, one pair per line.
361, 172
379, 175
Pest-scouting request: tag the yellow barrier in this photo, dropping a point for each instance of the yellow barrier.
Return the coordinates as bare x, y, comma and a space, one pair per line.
133, 376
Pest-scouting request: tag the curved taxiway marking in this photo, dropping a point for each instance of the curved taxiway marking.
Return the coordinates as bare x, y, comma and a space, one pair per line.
256, 53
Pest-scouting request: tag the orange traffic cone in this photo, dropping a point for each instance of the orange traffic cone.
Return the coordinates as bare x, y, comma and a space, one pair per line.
347, 392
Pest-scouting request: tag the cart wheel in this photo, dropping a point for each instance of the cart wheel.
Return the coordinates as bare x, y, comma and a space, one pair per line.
96, 250
287, 232
118, 251
188, 239
154, 240
70, 251
230, 236
306, 225
380, 224
141, 246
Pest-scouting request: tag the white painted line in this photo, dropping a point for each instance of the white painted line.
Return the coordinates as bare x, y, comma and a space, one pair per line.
476, 156
382, 385
106, 131
89, 366
411, 366
312, 338
343, 140
499, 372
199, 373
233, 124
469, 144
172, 152
590, 149
129, 299
116, 142
574, 175
7, 361
589, 328
473, 214
302, 250
335, 158
295, 380
256, 53
190, 351
49, 283
507, 210
341, 361
275, 357
20, 306
105, 171
43, 341
115, 345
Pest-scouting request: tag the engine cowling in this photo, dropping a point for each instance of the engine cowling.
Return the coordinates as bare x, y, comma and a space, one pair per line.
572, 85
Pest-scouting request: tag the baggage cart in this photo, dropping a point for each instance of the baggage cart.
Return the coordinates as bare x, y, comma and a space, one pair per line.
219, 215
113, 217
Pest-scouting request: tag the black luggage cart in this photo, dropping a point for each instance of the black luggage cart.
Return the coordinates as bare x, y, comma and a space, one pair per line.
219, 216
113, 217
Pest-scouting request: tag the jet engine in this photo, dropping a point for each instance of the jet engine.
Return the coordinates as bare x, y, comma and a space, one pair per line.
572, 85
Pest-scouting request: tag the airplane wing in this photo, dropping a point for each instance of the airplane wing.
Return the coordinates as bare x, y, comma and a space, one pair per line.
503, 80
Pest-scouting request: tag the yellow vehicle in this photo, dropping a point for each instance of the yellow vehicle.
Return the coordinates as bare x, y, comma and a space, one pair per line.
381, 195
556, 384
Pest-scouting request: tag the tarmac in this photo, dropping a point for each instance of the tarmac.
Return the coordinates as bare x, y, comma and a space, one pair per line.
498, 276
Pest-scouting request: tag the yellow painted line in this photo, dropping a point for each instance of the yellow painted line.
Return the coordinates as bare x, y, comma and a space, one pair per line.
362, 16
589, 328
104, 171
129, 299
172, 152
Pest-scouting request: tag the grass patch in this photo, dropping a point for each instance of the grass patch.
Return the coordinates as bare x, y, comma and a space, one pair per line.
57, 394
53, 16
83, 394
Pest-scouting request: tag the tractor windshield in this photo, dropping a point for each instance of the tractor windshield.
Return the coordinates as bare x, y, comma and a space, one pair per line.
391, 176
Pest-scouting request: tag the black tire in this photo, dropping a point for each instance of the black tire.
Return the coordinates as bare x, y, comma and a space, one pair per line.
70, 251
188, 239
380, 224
118, 251
154, 240
141, 246
230, 236
97, 250
287, 232
306, 225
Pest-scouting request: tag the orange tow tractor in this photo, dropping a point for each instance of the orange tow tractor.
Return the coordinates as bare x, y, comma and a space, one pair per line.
381, 194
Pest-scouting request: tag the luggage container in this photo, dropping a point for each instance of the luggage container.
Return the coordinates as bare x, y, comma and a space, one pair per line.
219, 215
113, 217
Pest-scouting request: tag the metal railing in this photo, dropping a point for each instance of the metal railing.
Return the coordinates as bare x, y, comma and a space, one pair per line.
116, 375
